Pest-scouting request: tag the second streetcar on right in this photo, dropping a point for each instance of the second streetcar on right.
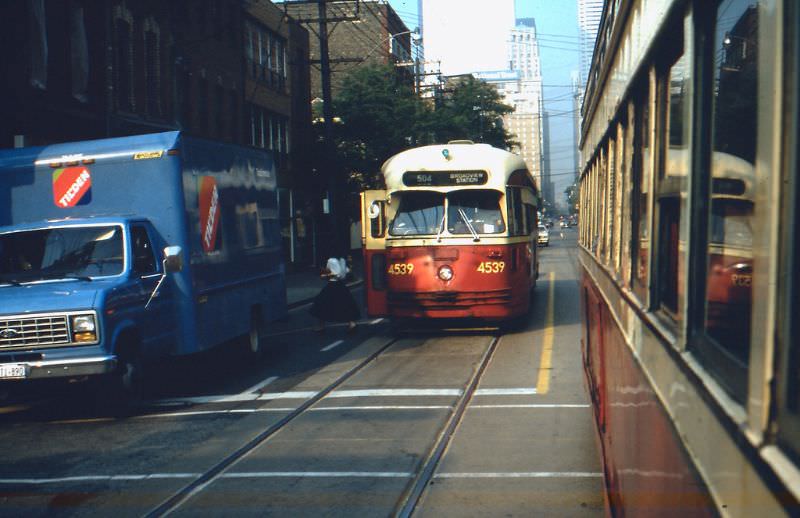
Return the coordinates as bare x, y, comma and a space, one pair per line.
689, 259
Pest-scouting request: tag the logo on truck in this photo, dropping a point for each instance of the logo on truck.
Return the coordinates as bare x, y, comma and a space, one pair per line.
209, 213
71, 186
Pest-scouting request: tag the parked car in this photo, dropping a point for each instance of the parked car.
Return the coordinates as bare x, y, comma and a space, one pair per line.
544, 236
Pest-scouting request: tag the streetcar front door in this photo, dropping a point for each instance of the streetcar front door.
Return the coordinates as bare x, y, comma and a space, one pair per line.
373, 241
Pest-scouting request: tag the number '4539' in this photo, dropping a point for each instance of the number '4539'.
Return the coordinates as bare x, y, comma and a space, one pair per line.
400, 269
491, 267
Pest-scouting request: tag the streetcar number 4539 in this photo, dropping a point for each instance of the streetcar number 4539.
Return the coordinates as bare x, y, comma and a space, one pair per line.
400, 269
491, 266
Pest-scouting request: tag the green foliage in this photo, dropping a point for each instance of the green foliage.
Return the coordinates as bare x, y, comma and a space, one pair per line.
474, 111
380, 115
572, 193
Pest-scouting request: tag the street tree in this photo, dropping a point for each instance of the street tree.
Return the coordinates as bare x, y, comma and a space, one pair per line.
473, 110
380, 115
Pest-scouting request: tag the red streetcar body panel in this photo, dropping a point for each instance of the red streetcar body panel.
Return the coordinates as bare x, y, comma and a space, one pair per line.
647, 471
489, 281
375, 282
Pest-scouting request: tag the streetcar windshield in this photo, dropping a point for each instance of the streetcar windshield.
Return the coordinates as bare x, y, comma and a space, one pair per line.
420, 213
60, 253
481, 209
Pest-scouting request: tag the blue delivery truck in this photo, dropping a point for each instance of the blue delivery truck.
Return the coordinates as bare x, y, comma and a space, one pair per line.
120, 251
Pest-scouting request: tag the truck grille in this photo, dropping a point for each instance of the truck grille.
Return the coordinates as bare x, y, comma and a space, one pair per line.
33, 331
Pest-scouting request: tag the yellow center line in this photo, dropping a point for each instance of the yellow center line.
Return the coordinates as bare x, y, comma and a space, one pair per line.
545, 363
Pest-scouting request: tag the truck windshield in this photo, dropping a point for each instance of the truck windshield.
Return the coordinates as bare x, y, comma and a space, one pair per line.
57, 253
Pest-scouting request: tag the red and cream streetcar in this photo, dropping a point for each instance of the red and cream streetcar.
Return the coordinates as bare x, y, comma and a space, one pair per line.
453, 235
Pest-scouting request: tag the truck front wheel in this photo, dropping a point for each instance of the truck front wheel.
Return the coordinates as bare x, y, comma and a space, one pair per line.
128, 380
254, 343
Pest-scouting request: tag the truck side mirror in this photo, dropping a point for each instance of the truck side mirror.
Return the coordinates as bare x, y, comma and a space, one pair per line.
173, 259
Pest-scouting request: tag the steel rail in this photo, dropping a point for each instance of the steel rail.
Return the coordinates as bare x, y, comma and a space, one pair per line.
413, 495
201, 482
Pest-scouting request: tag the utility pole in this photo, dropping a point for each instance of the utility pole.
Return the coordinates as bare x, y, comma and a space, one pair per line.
335, 207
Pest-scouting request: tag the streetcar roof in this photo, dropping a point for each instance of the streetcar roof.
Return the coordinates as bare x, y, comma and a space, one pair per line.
502, 167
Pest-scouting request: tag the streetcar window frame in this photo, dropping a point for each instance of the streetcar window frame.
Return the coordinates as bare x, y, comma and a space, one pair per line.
788, 386
717, 358
479, 226
407, 197
642, 188
670, 190
515, 211
445, 228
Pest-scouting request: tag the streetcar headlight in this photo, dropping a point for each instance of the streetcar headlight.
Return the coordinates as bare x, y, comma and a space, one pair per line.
84, 329
445, 273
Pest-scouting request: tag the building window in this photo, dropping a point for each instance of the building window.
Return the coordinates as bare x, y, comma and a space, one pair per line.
123, 64
202, 107
79, 54
152, 62
37, 43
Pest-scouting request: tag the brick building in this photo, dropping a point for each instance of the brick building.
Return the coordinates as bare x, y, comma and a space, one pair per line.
228, 70
364, 31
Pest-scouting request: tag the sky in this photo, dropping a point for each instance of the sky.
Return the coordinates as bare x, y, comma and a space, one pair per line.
557, 27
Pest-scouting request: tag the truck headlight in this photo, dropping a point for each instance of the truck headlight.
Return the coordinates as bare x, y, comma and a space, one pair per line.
84, 329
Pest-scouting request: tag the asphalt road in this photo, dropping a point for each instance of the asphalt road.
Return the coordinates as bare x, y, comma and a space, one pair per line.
230, 436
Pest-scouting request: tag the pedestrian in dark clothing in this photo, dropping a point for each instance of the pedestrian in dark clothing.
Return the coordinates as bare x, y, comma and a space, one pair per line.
335, 303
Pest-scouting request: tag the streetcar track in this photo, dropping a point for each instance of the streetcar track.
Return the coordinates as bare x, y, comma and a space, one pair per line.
412, 496
183, 495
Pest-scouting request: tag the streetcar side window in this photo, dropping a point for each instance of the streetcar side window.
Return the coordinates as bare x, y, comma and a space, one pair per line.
626, 152
611, 204
789, 328
514, 209
673, 96
729, 251
642, 177
420, 213
481, 208
602, 214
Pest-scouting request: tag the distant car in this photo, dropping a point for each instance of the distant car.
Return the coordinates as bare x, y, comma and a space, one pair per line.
564, 224
544, 236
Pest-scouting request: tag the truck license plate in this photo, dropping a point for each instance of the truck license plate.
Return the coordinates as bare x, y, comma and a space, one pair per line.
12, 371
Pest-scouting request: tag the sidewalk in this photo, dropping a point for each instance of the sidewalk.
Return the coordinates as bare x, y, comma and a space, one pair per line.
303, 286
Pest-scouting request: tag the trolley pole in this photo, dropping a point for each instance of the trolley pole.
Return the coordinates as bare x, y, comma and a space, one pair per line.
335, 208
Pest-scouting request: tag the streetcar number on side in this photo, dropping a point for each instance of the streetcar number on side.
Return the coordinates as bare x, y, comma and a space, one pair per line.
400, 269
491, 266
743, 281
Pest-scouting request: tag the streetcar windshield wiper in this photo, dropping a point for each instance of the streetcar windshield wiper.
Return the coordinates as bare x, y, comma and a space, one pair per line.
469, 225
441, 229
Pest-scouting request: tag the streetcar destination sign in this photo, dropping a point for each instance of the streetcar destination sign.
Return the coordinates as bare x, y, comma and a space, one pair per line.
444, 178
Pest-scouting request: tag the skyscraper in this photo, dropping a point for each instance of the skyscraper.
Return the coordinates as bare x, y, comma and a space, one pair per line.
525, 122
521, 88
589, 14
466, 35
